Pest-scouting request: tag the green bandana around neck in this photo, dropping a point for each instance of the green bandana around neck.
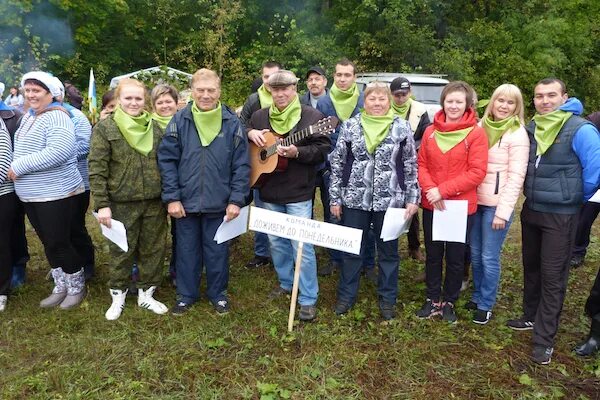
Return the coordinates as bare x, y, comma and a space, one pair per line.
547, 127
208, 123
160, 120
264, 96
344, 101
283, 121
447, 140
402, 111
376, 128
137, 131
495, 129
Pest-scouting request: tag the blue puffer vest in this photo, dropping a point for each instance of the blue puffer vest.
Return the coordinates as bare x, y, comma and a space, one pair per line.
555, 185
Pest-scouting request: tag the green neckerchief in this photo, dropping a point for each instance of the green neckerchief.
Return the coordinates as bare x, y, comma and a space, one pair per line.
283, 121
264, 96
495, 129
447, 140
402, 111
137, 131
547, 127
376, 128
344, 101
208, 123
161, 121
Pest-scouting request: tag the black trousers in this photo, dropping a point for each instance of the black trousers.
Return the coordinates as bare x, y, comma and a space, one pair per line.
18, 243
547, 241
435, 253
413, 234
79, 236
592, 305
54, 223
587, 215
8, 208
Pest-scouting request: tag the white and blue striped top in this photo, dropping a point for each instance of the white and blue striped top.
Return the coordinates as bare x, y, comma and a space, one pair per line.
45, 159
6, 186
83, 133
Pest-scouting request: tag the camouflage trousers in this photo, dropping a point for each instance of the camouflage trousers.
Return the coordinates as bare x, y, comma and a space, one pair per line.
146, 226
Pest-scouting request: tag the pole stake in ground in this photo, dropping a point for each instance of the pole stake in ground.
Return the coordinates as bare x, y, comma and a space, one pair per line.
295, 287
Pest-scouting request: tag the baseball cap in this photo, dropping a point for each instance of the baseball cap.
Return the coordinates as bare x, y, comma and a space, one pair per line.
400, 83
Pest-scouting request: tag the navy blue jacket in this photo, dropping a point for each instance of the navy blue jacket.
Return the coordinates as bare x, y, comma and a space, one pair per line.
325, 105
204, 179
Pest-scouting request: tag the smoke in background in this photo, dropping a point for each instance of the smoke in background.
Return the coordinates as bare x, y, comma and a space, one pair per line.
29, 40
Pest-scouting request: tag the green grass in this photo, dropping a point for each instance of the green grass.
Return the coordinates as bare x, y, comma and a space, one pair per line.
248, 354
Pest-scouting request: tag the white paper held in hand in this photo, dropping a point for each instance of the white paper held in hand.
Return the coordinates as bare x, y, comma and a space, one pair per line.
596, 197
116, 233
450, 225
234, 228
394, 224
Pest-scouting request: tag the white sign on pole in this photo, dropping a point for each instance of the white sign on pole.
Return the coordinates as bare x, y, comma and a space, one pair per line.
305, 230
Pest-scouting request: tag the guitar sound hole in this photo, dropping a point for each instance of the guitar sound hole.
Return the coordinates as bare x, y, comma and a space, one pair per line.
263, 155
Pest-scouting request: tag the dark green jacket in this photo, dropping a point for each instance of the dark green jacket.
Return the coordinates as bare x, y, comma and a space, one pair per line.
118, 173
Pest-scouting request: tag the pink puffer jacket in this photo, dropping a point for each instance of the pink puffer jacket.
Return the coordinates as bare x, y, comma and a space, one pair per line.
507, 165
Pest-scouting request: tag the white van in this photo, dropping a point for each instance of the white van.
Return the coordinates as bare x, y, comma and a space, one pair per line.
426, 88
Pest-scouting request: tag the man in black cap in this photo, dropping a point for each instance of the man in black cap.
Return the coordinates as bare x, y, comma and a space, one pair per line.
415, 113
316, 82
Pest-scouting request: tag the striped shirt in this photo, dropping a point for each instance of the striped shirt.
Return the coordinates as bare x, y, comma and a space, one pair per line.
6, 186
83, 133
45, 159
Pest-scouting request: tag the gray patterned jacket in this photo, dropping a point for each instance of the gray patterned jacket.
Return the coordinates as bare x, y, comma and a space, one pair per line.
374, 182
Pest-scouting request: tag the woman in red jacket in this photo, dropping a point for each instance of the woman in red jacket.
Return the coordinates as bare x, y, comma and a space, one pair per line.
452, 163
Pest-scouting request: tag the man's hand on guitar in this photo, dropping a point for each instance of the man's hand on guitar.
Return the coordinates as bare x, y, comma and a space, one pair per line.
231, 212
257, 136
175, 209
287, 151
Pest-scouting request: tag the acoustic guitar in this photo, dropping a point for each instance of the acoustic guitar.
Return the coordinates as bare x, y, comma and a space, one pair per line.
265, 160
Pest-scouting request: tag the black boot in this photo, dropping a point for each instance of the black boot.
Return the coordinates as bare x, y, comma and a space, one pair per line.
592, 344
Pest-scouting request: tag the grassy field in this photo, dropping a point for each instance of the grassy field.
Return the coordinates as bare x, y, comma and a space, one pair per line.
248, 354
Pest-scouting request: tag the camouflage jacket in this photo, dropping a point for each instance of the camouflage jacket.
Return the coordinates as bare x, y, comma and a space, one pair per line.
117, 171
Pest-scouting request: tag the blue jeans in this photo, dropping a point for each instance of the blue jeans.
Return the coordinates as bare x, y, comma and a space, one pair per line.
261, 241
283, 252
387, 279
196, 248
486, 245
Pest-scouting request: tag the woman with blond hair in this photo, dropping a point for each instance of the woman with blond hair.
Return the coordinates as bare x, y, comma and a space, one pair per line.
497, 195
126, 186
373, 167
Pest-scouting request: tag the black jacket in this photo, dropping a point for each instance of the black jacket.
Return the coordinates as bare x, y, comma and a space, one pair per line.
297, 182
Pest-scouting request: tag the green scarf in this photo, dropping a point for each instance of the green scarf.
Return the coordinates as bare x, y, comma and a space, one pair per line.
402, 111
283, 121
344, 101
208, 123
495, 129
264, 96
447, 140
161, 121
137, 131
375, 128
547, 127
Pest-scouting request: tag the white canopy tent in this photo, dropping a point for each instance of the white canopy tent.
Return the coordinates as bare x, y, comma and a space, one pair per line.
158, 69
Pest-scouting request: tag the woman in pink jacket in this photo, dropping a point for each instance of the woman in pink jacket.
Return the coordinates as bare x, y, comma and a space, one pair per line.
497, 195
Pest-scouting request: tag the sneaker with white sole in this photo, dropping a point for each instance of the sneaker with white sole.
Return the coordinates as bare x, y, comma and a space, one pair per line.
482, 317
3, 300
145, 300
118, 303
221, 306
541, 354
429, 309
520, 324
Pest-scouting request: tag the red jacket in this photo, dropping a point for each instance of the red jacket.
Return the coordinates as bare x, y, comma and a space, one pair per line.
459, 171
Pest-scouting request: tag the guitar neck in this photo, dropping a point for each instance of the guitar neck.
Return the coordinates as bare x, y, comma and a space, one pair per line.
291, 139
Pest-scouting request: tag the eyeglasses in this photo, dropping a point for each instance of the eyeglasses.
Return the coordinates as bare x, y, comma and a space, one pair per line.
377, 84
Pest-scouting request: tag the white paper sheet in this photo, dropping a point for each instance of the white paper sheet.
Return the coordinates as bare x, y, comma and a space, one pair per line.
116, 233
234, 228
596, 197
450, 225
394, 224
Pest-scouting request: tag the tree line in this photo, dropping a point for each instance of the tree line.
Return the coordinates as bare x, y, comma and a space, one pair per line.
485, 42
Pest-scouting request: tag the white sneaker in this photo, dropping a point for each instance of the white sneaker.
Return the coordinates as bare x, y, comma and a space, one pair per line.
145, 300
118, 303
3, 300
